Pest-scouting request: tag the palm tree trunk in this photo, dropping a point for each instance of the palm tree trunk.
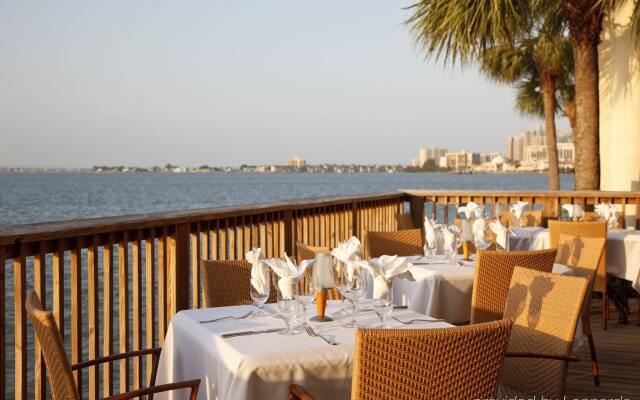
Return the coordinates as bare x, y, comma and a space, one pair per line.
548, 86
586, 139
570, 112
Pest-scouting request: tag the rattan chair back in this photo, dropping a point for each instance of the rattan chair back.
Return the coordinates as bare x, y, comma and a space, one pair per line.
596, 229
545, 309
63, 386
401, 243
451, 363
492, 279
529, 218
405, 221
227, 283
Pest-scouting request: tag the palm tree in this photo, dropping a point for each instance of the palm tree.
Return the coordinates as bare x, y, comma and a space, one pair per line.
459, 30
534, 63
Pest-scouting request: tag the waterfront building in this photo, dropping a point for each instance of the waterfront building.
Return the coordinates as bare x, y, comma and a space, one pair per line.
296, 162
427, 154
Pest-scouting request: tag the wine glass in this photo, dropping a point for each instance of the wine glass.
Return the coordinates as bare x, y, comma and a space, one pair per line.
383, 306
306, 291
480, 239
339, 267
260, 297
288, 306
352, 284
455, 245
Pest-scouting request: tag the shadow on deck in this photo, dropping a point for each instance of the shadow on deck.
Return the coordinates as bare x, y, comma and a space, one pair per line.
618, 351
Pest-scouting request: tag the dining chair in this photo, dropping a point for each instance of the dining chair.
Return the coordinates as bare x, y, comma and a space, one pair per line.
583, 256
545, 309
492, 279
401, 243
450, 363
596, 229
530, 219
227, 283
405, 221
60, 371
306, 252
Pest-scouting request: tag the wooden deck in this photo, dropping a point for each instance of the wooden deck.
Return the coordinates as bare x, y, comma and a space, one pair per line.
618, 351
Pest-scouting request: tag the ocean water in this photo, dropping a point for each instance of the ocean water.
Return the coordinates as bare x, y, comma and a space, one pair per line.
39, 197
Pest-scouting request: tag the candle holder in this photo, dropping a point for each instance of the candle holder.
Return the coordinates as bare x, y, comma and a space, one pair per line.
321, 306
465, 250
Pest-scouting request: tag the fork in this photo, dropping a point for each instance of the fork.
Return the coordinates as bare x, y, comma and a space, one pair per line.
411, 321
227, 317
313, 333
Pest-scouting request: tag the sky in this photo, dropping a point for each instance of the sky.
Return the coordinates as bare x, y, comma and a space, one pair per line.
195, 82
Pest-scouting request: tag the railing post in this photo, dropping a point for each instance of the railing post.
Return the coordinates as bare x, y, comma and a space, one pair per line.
355, 221
416, 204
179, 270
288, 232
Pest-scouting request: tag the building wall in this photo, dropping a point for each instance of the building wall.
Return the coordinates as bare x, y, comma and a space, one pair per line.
619, 104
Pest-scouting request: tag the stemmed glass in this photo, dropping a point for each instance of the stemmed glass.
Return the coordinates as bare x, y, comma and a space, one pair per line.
306, 291
259, 299
480, 240
383, 306
352, 287
288, 309
339, 267
455, 246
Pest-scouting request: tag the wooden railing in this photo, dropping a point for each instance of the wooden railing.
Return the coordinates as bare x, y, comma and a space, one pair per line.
86, 271
113, 284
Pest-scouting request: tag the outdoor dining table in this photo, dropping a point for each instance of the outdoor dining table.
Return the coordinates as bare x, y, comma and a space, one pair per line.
623, 250
262, 366
441, 290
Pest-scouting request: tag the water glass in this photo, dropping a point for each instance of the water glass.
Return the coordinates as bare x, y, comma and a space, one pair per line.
306, 291
339, 267
259, 299
383, 306
288, 309
353, 289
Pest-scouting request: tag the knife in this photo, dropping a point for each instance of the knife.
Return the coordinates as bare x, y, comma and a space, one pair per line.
245, 333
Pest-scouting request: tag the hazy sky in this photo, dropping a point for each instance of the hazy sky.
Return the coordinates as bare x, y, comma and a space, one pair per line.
228, 82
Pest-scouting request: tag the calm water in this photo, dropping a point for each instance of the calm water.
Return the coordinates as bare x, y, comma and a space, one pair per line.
28, 198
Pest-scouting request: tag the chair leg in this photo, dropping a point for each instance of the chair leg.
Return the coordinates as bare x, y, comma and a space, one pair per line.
605, 310
594, 361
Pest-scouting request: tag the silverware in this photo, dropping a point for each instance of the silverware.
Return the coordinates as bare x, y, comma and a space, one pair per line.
394, 307
313, 333
243, 316
411, 321
246, 333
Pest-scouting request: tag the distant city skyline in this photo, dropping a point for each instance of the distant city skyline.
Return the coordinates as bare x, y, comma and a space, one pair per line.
230, 83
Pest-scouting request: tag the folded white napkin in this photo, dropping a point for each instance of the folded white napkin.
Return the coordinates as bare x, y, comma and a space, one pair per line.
288, 273
478, 228
518, 208
349, 250
501, 232
260, 277
471, 210
574, 210
430, 233
448, 238
608, 212
383, 270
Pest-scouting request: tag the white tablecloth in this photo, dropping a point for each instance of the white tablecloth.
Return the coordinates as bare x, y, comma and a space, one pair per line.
261, 366
442, 290
623, 251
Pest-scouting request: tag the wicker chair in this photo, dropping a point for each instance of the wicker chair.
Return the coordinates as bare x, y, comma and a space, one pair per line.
401, 243
226, 283
493, 276
451, 363
405, 221
545, 309
306, 252
586, 230
531, 218
60, 372
583, 256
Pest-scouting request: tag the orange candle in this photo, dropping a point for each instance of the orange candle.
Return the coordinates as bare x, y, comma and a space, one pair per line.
465, 250
321, 302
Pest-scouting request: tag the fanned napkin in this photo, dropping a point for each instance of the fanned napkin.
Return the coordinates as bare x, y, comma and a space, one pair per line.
448, 237
349, 250
430, 233
382, 270
478, 230
518, 208
574, 210
288, 273
471, 210
501, 231
608, 212
260, 277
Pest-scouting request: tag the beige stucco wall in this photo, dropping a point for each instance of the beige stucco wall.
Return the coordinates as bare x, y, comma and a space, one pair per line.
619, 104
